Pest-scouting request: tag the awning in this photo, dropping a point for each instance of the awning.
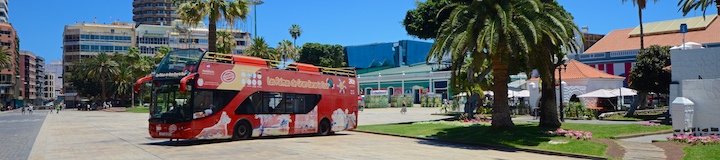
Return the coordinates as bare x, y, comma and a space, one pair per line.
522, 94
624, 91
600, 93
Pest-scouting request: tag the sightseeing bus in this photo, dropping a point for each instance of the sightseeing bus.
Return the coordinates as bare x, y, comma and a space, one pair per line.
204, 95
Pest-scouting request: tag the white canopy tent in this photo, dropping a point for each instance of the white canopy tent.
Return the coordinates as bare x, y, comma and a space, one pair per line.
522, 94
624, 92
600, 93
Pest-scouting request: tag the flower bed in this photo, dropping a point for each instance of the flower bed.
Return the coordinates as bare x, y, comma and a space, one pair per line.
581, 135
695, 140
648, 123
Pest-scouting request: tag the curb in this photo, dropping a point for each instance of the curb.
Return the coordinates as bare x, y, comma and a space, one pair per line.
641, 134
494, 146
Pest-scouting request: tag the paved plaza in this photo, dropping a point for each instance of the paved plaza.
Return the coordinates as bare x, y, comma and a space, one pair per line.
123, 135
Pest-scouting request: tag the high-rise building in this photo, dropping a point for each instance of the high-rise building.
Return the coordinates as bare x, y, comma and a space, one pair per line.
10, 77
84, 40
155, 12
32, 77
4, 11
179, 36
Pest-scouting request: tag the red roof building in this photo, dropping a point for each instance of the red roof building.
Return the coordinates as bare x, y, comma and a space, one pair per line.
616, 52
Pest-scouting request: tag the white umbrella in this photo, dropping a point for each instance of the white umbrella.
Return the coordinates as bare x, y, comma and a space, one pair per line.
625, 92
600, 93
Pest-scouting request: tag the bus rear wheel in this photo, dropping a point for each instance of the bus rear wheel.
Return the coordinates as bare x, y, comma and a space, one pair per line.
324, 127
243, 130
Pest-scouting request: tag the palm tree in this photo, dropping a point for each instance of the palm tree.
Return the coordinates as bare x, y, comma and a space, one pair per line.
5, 58
160, 54
226, 42
258, 49
287, 50
139, 65
194, 11
687, 5
101, 67
641, 4
499, 31
295, 32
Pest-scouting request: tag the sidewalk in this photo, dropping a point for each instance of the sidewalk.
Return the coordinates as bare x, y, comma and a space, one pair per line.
642, 147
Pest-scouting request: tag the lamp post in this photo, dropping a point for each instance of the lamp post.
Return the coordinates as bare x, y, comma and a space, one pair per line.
564, 62
379, 80
255, 3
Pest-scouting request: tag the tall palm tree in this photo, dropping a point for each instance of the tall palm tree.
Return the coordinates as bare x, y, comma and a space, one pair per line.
499, 31
124, 81
5, 58
287, 50
194, 11
226, 42
641, 4
139, 64
687, 5
295, 32
101, 67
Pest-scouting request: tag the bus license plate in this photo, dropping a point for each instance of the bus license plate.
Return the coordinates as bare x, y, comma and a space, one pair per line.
165, 134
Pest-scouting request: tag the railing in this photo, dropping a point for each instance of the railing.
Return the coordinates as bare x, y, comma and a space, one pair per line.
228, 58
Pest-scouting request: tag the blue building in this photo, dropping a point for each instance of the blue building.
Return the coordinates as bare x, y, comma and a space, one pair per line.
395, 54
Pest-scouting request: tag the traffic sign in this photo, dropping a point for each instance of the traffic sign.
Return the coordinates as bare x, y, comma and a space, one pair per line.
683, 28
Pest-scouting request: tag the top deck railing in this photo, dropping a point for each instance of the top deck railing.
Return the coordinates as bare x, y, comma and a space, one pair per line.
228, 58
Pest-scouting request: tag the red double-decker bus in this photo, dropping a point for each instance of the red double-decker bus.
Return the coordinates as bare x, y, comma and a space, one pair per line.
204, 95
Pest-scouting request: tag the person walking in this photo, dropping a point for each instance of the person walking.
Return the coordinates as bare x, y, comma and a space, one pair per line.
51, 108
57, 108
23, 110
404, 108
30, 109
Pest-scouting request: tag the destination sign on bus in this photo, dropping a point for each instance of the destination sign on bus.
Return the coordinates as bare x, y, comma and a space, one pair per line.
171, 74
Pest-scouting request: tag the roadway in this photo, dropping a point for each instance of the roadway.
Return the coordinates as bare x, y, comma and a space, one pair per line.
122, 135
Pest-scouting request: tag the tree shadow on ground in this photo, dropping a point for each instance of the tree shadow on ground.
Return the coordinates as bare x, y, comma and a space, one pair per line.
190, 142
504, 140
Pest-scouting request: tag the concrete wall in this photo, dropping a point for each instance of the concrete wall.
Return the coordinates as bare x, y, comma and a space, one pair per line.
689, 64
705, 94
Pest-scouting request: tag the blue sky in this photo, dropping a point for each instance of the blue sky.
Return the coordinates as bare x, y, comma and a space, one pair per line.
40, 22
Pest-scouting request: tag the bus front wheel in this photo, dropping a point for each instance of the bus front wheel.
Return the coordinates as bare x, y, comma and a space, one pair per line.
324, 127
243, 130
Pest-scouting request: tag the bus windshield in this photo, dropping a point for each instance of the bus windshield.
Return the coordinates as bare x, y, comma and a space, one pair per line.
179, 63
169, 103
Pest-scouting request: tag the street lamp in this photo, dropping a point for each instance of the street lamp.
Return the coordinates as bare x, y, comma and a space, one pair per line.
255, 3
379, 76
561, 65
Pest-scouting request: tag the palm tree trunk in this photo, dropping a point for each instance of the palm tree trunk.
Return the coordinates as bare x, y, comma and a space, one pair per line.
102, 84
501, 110
548, 105
212, 36
642, 36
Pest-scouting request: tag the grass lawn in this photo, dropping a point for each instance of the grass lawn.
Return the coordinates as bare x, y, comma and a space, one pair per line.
639, 117
523, 135
702, 152
138, 109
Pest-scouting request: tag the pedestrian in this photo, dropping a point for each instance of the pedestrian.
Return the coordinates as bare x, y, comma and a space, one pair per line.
50, 108
404, 108
23, 110
57, 108
30, 109
88, 107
